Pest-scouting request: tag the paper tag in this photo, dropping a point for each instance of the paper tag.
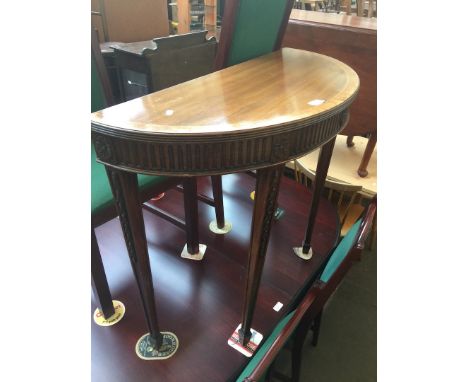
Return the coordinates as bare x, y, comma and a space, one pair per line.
145, 347
278, 306
251, 346
116, 317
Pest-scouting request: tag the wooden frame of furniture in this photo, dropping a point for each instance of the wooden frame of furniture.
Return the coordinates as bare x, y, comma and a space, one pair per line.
352, 40
223, 133
163, 61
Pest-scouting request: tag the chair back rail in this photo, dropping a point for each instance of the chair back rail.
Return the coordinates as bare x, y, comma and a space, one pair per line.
317, 296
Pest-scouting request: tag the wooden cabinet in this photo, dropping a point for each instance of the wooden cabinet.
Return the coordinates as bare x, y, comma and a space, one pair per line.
148, 66
352, 40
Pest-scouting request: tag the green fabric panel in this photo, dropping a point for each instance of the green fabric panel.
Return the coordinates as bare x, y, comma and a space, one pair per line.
101, 193
257, 26
340, 252
98, 101
264, 348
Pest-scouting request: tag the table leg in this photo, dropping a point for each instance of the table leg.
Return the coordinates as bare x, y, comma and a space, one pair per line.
99, 280
323, 163
217, 185
191, 215
362, 171
266, 194
125, 189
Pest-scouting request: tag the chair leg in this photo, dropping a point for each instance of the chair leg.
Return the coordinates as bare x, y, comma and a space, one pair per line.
362, 170
269, 372
349, 141
316, 329
217, 185
191, 215
99, 280
296, 361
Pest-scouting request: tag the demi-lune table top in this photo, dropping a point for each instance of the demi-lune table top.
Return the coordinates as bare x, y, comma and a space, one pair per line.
250, 109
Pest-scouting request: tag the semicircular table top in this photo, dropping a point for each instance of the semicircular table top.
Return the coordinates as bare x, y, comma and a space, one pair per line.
289, 90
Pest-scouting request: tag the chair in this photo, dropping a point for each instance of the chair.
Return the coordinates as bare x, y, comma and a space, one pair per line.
251, 29
345, 195
296, 324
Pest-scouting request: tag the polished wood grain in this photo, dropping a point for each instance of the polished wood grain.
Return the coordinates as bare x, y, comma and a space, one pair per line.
254, 115
267, 92
201, 301
251, 115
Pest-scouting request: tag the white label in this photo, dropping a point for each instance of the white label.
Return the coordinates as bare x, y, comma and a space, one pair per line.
278, 306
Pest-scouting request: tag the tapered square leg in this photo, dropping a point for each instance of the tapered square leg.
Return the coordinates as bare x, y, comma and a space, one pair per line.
125, 189
99, 280
266, 195
323, 164
220, 226
193, 249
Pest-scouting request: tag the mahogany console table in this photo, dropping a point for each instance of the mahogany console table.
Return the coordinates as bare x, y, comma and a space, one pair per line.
255, 115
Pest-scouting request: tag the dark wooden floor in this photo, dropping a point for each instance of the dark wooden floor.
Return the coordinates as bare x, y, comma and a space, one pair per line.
201, 302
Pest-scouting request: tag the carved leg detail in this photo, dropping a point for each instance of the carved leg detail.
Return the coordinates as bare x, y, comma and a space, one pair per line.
99, 280
125, 189
266, 194
323, 163
349, 141
362, 171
